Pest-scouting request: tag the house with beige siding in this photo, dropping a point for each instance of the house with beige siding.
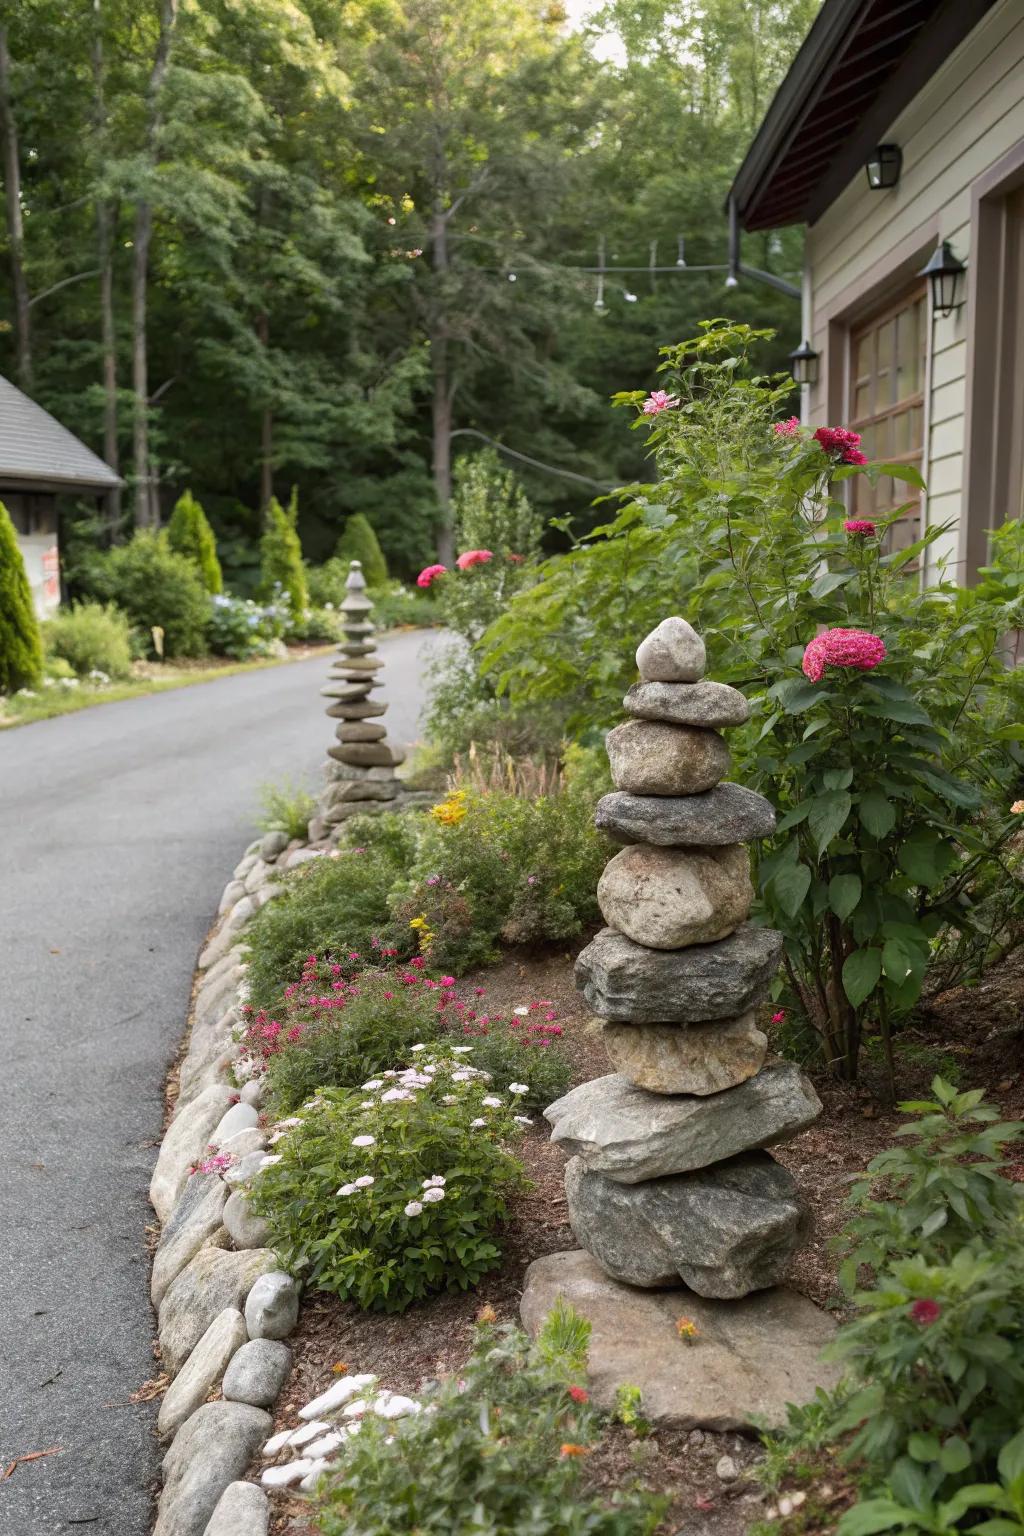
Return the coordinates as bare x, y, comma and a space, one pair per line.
897, 139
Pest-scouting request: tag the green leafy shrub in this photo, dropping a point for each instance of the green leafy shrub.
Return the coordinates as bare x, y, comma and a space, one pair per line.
325, 584
393, 1192
395, 604
312, 626
500, 865
359, 542
21, 651
240, 628
330, 906
156, 588
503, 1442
523, 1050
189, 534
286, 808
90, 637
281, 569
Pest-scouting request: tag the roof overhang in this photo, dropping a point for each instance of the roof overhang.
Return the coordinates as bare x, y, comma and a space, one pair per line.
17, 480
861, 63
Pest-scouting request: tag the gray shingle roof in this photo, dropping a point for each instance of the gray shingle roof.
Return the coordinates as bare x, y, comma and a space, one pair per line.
35, 450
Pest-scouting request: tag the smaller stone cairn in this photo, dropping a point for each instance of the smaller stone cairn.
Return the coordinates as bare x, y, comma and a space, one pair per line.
669, 1179
361, 768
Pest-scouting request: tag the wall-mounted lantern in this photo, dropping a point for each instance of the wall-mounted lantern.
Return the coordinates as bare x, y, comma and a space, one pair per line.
945, 274
803, 364
883, 167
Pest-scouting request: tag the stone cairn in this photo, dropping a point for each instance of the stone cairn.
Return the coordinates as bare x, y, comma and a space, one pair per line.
361, 768
669, 1179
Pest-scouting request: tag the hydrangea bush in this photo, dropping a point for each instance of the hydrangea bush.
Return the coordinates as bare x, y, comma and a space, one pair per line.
392, 1192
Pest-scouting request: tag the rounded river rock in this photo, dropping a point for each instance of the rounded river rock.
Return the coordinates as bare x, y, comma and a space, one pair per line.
670, 898
648, 757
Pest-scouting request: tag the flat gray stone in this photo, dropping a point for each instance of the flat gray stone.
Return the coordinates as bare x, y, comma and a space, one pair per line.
671, 898
628, 983
201, 1372
245, 1228
211, 1281
367, 754
648, 757
361, 730
272, 844
233, 891
242, 1510
726, 814
712, 705
258, 1372
686, 1058
723, 1231
360, 789
750, 1359
213, 1448
673, 652
367, 710
197, 1215
632, 1135
272, 1309
184, 1143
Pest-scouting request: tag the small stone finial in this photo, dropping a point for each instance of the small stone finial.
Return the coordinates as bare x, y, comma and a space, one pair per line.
673, 652
355, 581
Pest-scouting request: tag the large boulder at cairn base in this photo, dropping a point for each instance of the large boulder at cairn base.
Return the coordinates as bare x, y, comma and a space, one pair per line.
712, 705
724, 1231
632, 1135
726, 814
626, 982
650, 758
751, 1358
687, 1058
668, 898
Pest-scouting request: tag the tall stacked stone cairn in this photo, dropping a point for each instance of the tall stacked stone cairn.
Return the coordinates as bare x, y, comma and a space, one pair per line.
361, 765
669, 1181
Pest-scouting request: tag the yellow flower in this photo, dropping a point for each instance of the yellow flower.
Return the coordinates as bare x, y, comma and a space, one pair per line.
451, 810
687, 1330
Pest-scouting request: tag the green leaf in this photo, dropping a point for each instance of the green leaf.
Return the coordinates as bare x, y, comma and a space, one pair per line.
844, 894
926, 859
791, 885
1011, 1459
905, 472
828, 815
899, 960
877, 815
902, 712
956, 1455
829, 581
873, 1515
861, 973
924, 1447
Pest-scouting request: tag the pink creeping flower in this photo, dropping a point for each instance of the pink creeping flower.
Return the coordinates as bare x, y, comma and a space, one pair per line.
856, 648
474, 557
780, 1017
841, 442
788, 428
430, 574
860, 525
658, 401
925, 1312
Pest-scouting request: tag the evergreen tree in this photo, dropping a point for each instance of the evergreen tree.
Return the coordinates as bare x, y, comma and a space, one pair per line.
190, 534
281, 556
359, 542
21, 650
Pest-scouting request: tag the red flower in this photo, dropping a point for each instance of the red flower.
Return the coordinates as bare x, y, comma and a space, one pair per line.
788, 428
861, 526
579, 1394
474, 557
925, 1312
841, 442
856, 648
780, 1017
429, 574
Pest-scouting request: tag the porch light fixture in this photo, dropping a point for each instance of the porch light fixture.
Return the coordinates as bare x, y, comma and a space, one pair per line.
883, 167
803, 364
945, 274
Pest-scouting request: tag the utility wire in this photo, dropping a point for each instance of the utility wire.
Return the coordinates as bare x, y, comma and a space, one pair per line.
513, 453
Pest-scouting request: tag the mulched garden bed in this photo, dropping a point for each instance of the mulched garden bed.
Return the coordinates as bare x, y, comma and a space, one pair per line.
977, 1034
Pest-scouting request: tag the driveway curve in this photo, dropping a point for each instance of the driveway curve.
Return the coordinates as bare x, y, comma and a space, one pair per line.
118, 829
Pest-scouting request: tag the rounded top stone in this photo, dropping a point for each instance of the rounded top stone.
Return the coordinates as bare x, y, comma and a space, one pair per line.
672, 653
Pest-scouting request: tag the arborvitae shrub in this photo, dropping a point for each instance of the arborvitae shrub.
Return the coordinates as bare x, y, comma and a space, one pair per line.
359, 542
281, 556
189, 534
21, 651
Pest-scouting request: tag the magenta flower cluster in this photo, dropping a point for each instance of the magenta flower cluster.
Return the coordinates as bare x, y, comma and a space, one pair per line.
855, 648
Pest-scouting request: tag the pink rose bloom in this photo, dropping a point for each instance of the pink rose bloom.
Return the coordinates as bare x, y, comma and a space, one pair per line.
841, 442
658, 401
861, 526
856, 648
474, 557
788, 428
430, 574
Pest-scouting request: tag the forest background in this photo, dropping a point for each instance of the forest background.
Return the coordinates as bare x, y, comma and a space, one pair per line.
258, 244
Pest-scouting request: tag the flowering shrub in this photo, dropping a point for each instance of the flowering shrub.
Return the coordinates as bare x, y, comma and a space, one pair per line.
935, 1386
854, 648
521, 1053
505, 1440
240, 628
388, 1193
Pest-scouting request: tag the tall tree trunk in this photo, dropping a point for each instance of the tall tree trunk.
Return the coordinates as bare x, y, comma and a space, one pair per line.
442, 399
106, 223
15, 225
266, 427
147, 507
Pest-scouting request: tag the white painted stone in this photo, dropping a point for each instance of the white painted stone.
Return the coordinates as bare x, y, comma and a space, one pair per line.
335, 1396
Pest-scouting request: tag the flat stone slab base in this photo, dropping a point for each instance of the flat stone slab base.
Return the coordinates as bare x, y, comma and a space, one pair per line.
750, 1359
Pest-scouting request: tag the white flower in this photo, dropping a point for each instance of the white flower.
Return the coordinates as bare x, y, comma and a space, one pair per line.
392, 1073
432, 1196
521, 1010
394, 1095
450, 1098
417, 1047
368, 1104
436, 1181
518, 1087
491, 1102
465, 1076
522, 1120
365, 1182
276, 1137
282, 1125
475, 1124
414, 1208
363, 1141
460, 1050
375, 1082
347, 1189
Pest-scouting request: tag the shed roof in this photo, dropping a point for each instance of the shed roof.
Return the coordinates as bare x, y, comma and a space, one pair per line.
858, 67
37, 453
